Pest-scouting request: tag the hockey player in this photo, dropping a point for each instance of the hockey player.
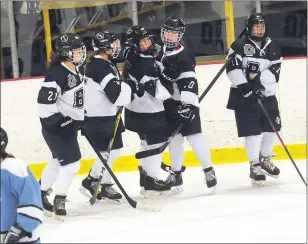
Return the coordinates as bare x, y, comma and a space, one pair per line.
177, 65
21, 204
254, 74
146, 115
105, 92
60, 102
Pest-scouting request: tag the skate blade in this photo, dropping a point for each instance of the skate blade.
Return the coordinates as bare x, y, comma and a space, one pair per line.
48, 213
113, 201
59, 217
149, 194
142, 190
212, 189
258, 183
177, 189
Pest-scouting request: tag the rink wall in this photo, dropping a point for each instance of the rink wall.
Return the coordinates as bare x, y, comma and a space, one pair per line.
20, 119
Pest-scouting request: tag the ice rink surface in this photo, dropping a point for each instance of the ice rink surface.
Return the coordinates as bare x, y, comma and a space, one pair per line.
238, 212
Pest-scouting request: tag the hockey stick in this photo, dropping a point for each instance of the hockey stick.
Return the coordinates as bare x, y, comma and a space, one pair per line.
151, 152
106, 156
131, 202
280, 139
167, 168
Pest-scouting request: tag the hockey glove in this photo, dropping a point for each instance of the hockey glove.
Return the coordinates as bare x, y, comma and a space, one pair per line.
137, 88
186, 113
15, 234
257, 88
150, 87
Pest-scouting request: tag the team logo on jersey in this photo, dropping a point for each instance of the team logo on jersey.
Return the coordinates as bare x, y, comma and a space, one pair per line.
71, 81
278, 120
249, 50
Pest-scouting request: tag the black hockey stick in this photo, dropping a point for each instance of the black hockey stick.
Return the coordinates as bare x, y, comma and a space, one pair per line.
151, 152
280, 139
131, 202
106, 156
167, 168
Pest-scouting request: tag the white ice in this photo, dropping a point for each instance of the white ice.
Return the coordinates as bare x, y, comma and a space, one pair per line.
238, 212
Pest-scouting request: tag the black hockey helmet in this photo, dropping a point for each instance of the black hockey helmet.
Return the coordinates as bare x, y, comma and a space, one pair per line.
105, 41
253, 19
172, 31
66, 45
137, 34
3, 140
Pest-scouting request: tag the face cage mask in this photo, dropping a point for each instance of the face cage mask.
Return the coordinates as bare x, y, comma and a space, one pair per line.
70, 56
168, 43
116, 49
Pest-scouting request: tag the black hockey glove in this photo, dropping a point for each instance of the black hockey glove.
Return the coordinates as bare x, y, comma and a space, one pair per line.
150, 87
257, 88
15, 234
186, 113
137, 88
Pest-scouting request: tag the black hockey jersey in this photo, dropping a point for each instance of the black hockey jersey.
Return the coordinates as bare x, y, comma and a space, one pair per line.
186, 85
61, 95
251, 58
146, 113
104, 93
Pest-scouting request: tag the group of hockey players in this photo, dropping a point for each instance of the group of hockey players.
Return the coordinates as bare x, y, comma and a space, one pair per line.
158, 91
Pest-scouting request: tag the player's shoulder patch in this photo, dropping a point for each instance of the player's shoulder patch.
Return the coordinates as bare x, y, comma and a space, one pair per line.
15, 166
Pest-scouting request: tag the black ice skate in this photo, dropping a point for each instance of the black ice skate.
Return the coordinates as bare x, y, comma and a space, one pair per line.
269, 167
47, 206
88, 186
210, 178
256, 174
107, 192
142, 179
175, 181
59, 207
154, 187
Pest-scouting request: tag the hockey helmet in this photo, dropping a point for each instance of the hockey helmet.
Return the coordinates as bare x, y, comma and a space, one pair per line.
69, 45
172, 31
141, 39
3, 139
254, 19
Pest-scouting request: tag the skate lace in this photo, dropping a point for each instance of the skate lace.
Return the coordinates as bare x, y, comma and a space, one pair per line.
170, 179
61, 203
257, 170
110, 190
209, 176
269, 164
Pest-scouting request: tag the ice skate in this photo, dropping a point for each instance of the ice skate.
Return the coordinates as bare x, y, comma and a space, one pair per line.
154, 187
268, 167
210, 178
175, 181
142, 179
108, 193
59, 207
47, 206
256, 174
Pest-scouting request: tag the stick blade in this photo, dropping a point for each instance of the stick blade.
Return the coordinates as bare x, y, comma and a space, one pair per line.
148, 153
